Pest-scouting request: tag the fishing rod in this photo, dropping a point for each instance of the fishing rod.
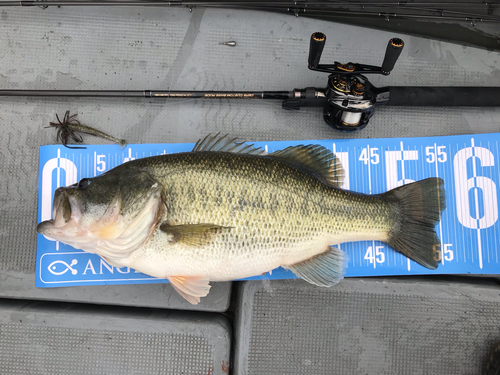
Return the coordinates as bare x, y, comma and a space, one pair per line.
465, 22
348, 100
452, 11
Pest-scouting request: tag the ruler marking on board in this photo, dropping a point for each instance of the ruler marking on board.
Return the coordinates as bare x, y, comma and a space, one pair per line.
495, 227
476, 201
403, 177
369, 163
440, 223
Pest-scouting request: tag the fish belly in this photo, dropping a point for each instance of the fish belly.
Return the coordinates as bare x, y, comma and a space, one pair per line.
220, 261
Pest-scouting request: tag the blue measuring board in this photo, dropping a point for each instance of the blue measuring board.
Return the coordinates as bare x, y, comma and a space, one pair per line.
469, 229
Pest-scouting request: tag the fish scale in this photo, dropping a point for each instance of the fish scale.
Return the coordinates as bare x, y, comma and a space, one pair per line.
298, 209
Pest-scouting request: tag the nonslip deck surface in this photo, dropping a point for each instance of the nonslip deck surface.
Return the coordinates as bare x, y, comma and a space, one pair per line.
282, 327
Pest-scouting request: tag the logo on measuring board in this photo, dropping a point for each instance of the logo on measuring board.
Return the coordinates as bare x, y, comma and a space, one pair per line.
68, 267
60, 268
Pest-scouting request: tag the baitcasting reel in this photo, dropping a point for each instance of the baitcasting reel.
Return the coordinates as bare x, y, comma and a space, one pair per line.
349, 98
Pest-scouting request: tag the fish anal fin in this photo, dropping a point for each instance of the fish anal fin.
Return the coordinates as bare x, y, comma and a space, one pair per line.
315, 159
193, 234
325, 269
191, 288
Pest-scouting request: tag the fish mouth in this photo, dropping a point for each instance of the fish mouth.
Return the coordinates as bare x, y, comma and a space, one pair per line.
44, 227
64, 209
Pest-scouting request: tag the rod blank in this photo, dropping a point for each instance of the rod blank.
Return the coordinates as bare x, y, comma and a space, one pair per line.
279, 95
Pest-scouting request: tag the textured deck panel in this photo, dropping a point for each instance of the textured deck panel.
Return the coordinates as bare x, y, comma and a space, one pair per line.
40, 338
366, 326
21, 285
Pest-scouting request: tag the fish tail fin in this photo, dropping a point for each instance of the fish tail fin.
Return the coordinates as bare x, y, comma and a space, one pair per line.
418, 210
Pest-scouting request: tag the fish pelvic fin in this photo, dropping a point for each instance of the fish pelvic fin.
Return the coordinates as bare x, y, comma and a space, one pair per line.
325, 269
191, 288
418, 209
314, 159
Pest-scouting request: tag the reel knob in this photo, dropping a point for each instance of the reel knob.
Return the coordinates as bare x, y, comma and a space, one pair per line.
394, 48
316, 46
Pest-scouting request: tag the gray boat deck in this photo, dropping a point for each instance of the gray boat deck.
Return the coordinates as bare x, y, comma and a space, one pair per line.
435, 325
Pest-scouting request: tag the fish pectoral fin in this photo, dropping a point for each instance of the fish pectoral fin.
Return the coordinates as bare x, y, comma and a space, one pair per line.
315, 159
192, 288
325, 269
193, 234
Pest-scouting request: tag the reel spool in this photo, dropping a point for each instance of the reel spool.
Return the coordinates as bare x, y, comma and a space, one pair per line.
349, 104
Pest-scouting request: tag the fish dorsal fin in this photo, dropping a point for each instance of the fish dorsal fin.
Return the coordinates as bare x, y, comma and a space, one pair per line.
316, 159
217, 143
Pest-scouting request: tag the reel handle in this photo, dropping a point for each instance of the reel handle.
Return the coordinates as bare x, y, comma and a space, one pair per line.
394, 48
316, 46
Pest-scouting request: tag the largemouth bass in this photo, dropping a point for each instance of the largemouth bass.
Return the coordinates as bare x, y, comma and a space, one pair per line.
228, 210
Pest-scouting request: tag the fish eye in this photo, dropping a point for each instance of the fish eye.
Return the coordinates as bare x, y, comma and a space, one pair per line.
84, 183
